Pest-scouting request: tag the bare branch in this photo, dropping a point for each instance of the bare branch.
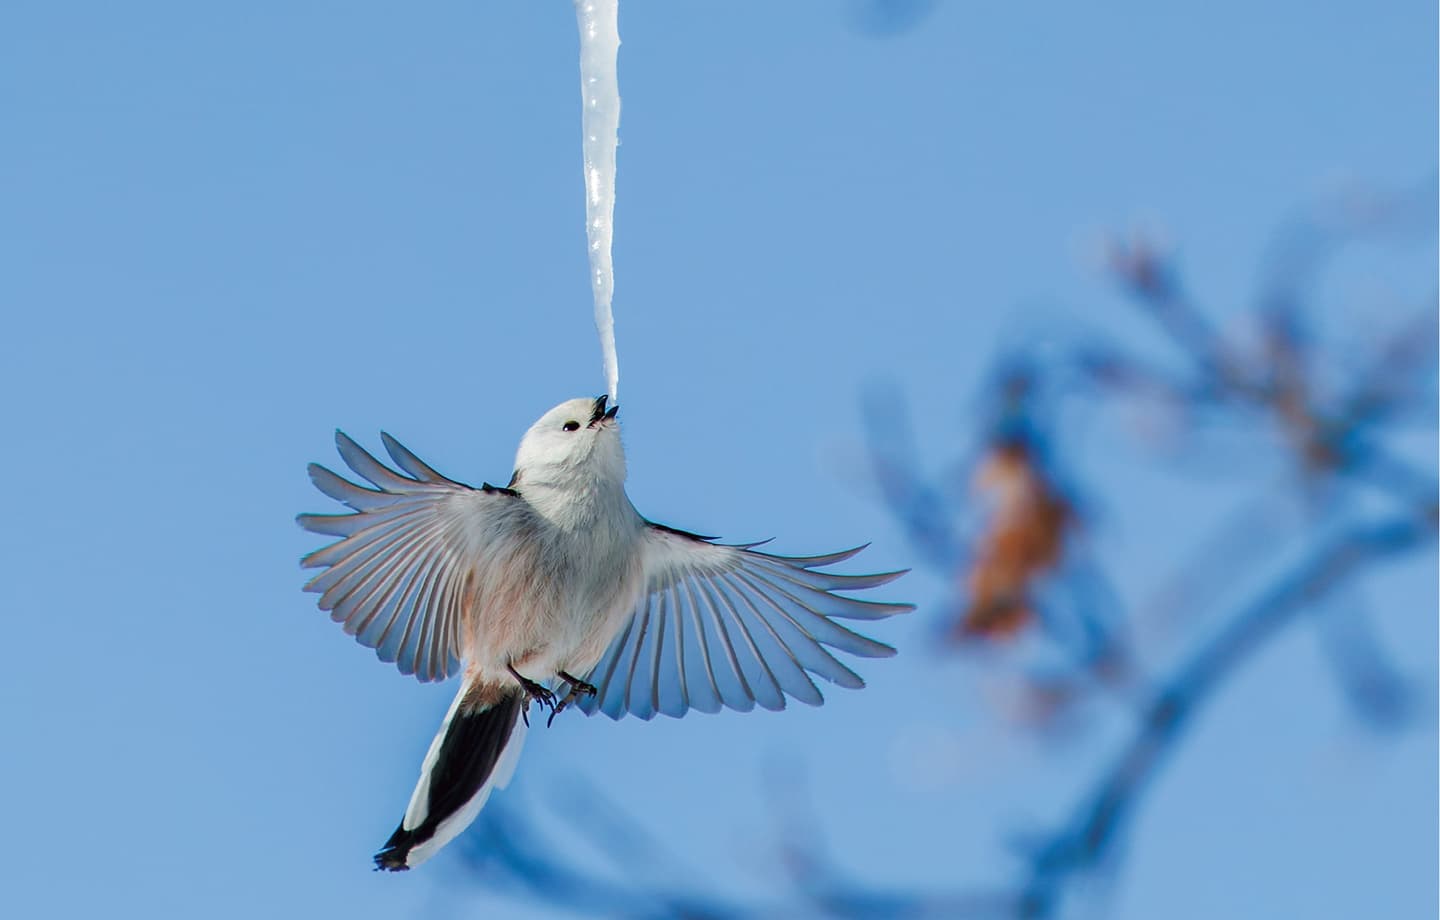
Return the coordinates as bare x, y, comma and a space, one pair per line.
1098, 823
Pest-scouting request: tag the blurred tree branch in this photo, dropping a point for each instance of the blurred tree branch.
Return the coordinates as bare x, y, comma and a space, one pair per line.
1092, 833
1029, 592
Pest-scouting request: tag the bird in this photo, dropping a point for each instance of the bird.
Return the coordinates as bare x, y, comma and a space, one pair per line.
555, 582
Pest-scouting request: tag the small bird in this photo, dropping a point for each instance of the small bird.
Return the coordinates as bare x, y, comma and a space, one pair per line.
556, 581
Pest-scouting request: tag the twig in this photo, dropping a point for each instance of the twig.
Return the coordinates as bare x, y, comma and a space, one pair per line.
1092, 834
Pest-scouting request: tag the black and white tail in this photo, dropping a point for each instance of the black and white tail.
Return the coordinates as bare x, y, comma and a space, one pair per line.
474, 752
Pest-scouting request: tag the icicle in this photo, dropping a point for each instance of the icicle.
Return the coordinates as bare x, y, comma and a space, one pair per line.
600, 122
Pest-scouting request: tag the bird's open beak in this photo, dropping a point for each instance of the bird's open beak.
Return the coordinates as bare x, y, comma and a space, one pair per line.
599, 413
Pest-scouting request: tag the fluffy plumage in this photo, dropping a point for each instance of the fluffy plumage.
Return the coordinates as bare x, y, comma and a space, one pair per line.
557, 573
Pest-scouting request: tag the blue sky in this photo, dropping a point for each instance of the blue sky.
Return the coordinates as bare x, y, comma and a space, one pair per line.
228, 231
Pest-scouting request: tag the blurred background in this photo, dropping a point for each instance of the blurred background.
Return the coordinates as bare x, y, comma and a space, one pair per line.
1116, 323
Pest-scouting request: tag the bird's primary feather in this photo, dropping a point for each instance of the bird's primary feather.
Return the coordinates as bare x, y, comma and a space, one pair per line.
729, 626
398, 580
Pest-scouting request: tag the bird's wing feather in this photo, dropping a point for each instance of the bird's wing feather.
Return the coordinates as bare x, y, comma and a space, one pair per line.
397, 577
729, 626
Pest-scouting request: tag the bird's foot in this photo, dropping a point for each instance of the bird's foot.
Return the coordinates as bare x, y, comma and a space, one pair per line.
578, 687
537, 693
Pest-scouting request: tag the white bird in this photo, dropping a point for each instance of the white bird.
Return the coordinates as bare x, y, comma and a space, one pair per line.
556, 579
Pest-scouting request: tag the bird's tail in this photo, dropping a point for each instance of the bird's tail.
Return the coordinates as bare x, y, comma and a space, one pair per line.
474, 752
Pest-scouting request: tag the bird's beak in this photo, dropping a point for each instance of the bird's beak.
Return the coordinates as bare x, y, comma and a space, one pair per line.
599, 413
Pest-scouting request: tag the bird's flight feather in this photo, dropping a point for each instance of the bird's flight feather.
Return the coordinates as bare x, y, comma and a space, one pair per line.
397, 579
731, 626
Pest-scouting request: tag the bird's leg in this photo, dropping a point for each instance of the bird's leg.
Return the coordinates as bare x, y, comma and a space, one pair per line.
536, 692
577, 687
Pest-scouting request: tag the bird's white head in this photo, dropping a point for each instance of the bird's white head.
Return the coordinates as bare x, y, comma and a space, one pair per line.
574, 445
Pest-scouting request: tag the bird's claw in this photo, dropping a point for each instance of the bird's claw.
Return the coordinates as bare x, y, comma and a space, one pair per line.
537, 693
577, 688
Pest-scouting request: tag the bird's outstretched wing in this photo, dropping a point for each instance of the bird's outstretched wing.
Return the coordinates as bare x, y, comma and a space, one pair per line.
399, 576
729, 626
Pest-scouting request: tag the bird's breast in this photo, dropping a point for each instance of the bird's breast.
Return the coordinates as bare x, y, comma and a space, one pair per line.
555, 600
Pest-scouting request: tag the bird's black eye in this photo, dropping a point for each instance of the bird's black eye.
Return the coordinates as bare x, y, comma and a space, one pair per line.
571, 426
